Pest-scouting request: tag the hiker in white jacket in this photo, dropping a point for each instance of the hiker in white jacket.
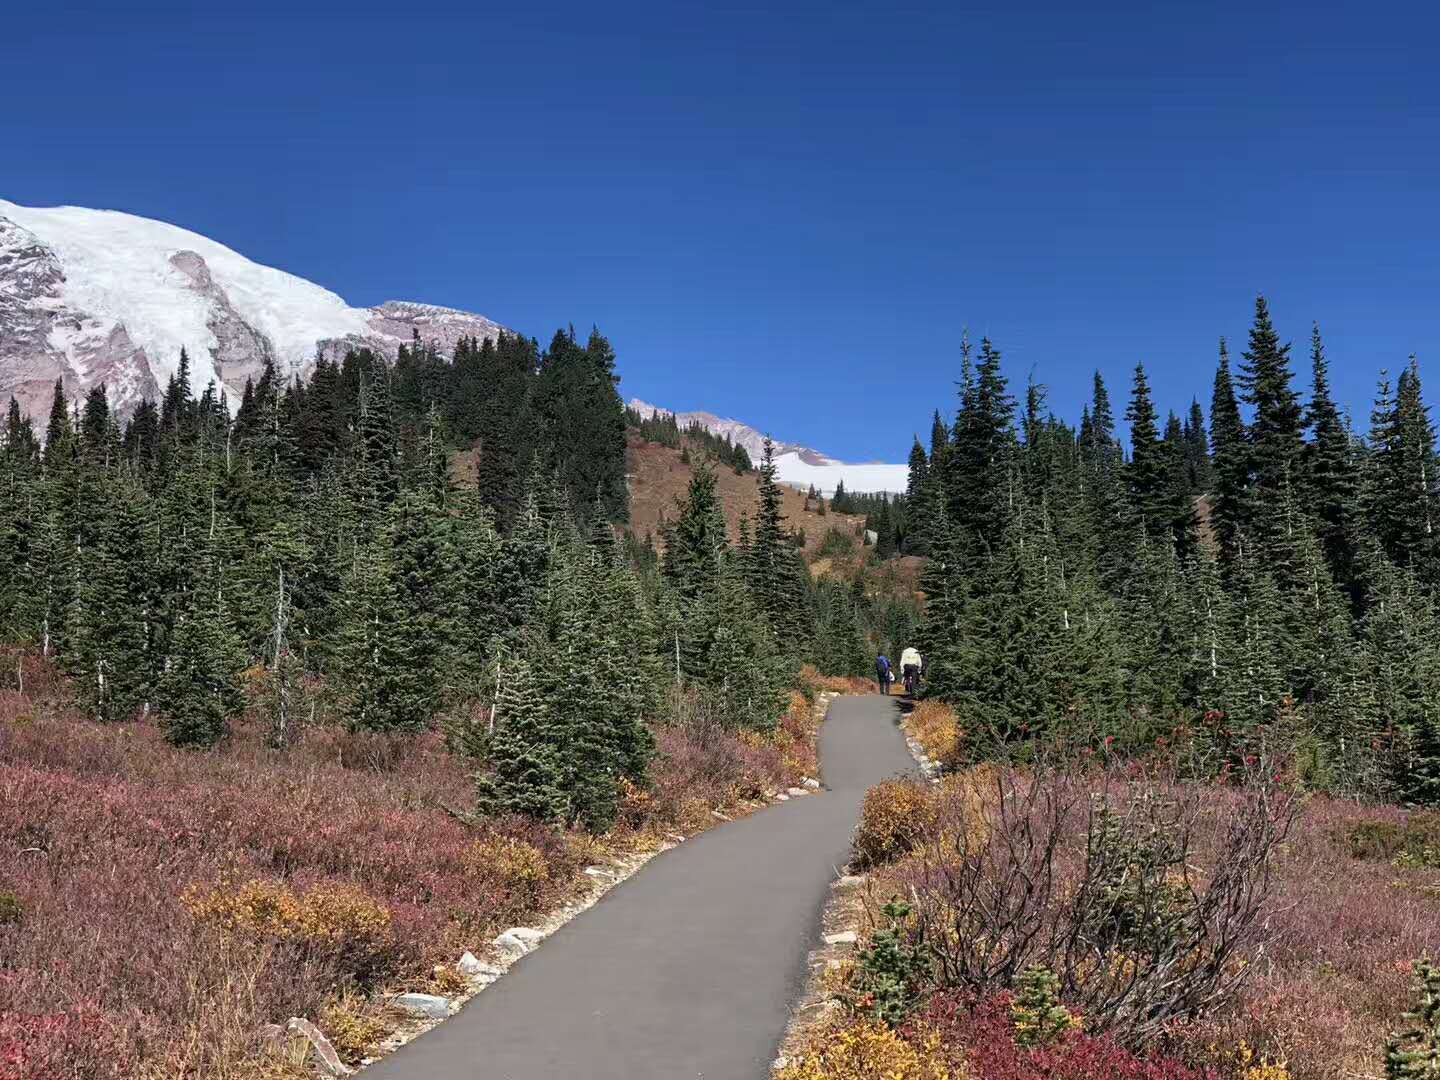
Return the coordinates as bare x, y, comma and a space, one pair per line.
911, 664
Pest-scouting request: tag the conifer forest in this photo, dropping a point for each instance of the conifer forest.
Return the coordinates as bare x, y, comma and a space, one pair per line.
314, 553
1269, 577
1268, 574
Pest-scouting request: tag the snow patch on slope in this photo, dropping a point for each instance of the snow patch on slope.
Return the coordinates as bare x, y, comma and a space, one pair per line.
872, 477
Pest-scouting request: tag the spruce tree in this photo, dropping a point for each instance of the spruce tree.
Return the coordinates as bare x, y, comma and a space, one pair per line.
1197, 451
1275, 437
697, 544
980, 453
1148, 475
1330, 471
524, 773
106, 645
1230, 451
199, 691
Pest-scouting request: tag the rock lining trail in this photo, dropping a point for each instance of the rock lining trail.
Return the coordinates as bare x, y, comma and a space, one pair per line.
688, 969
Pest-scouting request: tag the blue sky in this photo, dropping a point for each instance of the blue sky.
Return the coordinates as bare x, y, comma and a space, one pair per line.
786, 212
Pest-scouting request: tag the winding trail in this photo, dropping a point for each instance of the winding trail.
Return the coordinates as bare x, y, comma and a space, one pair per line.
687, 970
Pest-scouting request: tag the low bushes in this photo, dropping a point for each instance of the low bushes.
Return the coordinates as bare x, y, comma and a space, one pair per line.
985, 1035
330, 923
897, 815
157, 906
1413, 841
1317, 977
937, 728
866, 1050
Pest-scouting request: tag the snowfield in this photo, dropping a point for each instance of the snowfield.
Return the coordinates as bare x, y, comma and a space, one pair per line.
876, 477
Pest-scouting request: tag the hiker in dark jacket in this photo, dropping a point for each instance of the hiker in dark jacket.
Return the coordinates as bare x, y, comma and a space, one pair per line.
882, 673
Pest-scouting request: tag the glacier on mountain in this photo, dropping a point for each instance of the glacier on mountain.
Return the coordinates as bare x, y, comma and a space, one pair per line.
91, 296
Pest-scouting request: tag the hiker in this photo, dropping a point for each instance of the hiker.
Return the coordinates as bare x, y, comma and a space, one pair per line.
882, 673
911, 664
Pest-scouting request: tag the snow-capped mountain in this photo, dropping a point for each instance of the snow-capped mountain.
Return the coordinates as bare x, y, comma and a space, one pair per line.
92, 296
798, 465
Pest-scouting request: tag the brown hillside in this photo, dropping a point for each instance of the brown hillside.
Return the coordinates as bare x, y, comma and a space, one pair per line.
658, 477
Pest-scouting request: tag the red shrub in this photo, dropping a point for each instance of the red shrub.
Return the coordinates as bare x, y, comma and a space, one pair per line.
73, 1045
986, 1032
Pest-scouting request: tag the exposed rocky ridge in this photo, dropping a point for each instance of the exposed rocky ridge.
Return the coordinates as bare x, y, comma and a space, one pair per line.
739, 433
94, 296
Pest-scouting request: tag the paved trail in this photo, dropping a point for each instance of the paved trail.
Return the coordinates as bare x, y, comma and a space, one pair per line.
688, 970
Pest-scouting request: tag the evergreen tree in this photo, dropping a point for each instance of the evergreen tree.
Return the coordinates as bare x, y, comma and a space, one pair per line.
980, 453
1275, 437
1230, 451
1149, 473
776, 573
199, 691
1401, 489
696, 543
1198, 470
1330, 470
106, 644
524, 774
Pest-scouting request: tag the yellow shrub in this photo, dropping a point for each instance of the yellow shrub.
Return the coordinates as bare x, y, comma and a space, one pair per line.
336, 922
354, 1032
516, 866
965, 808
1267, 1072
871, 1051
896, 816
937, 728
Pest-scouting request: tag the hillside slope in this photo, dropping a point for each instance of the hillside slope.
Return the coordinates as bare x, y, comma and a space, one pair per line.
659, 476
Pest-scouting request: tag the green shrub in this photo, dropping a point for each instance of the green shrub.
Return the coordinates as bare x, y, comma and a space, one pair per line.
892, 970
12, 910
1137, 869
1415, 1052
836, 544
1412, 844
1036, 1012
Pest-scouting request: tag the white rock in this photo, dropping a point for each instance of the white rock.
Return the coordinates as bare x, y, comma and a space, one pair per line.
476, 968
782, 797
518, 940
797, 791
326, 1059
718, 814
431, 1005
849, 881
847, 937
675, 838
598, 872
812, 784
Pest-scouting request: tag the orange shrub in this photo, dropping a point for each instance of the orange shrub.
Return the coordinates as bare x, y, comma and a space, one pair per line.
811, 677
897, 815
332, 922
